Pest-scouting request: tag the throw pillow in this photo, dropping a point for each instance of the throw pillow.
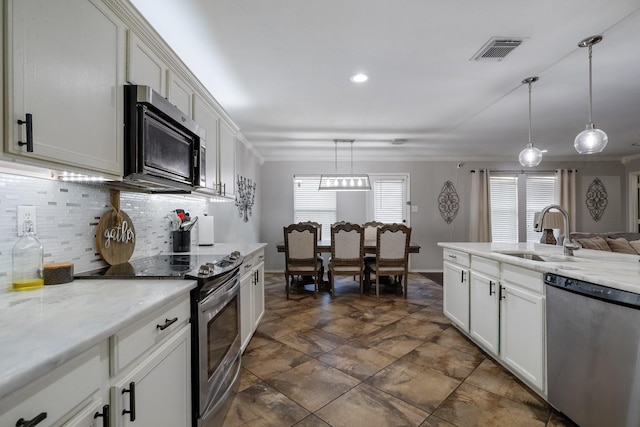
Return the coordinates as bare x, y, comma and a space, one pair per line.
621, 245
635, 244
597, 243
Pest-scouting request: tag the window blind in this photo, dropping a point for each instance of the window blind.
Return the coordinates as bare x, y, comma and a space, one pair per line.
504, 208
389, 200
309, 204
539, 195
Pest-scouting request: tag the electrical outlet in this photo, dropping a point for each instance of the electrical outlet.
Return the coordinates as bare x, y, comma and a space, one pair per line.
25, 212
414, 208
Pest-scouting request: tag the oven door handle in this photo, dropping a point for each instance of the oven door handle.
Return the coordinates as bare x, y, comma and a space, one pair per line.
215, 298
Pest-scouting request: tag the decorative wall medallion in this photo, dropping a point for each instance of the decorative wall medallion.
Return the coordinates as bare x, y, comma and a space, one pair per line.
596, 199
448, 202
246, 197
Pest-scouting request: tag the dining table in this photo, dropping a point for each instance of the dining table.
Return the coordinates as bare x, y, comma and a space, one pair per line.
369, 246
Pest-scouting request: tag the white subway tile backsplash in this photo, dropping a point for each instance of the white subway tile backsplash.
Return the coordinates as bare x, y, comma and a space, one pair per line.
68, 214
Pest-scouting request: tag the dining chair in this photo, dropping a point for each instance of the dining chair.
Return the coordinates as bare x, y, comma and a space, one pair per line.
370, 229
347, 253
392, 256
370, 233
301, 259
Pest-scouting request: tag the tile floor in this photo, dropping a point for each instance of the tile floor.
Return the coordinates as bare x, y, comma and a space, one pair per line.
371, 362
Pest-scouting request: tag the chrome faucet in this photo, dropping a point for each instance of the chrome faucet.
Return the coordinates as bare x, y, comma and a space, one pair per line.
566, 244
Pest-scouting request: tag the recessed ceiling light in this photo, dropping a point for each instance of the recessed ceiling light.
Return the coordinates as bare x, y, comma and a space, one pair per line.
359, 78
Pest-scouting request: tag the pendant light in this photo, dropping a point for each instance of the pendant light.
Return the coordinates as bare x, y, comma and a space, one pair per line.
530, 156
591, 140
346, 181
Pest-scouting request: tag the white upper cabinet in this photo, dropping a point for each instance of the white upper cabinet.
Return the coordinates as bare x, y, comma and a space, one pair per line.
144, 66
227, 159
206, 116
66, 71
179, 93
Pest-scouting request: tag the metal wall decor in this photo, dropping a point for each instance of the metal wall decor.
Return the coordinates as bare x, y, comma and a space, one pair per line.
245, 197
596, 199
448, 202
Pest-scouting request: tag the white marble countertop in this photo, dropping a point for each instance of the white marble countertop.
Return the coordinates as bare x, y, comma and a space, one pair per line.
41, 329
225, 249
619, 271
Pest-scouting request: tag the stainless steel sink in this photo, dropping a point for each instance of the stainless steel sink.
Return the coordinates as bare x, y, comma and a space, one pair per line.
536, 257
525, 255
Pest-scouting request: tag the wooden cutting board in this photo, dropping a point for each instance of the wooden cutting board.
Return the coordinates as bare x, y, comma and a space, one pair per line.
115, 235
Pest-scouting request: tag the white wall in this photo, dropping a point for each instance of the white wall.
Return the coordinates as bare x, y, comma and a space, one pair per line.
427, 179
228, 225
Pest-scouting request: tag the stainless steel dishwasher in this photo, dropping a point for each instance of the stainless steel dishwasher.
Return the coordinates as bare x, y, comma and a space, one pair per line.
593, 352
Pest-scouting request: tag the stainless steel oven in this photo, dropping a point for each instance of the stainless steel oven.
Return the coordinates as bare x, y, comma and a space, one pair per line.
215, 320
218, 349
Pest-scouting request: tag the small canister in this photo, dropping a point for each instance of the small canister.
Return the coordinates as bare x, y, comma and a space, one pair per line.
55, 274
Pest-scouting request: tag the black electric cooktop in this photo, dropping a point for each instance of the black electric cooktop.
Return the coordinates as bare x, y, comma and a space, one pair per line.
183, 266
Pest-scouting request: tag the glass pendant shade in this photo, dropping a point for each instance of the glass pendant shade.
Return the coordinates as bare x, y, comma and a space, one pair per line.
530, 156
590, 140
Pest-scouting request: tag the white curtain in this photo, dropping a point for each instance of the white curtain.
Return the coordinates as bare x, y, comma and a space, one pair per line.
565, 194
480, 207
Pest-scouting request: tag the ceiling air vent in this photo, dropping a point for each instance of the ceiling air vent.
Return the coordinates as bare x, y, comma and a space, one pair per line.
496, 49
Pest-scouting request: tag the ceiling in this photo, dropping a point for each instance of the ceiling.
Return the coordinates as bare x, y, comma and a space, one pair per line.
281, 69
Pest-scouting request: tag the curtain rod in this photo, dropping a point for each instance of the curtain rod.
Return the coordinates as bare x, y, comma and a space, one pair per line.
522, 171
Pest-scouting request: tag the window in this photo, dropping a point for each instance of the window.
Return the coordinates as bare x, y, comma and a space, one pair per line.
387, 201
514, 201
309, 204
504, 208
539, 194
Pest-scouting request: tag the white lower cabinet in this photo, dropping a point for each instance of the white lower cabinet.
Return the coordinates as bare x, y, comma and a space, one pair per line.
502, 309
140, 376
60, 395
485, 311
157, 391
251, 295
522, 339
456, 294
95, 415
246, 328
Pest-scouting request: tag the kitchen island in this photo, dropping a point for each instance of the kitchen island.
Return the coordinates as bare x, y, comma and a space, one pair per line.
494, 293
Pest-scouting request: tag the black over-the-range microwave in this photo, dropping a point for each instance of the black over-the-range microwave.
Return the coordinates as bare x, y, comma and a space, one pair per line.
164, 148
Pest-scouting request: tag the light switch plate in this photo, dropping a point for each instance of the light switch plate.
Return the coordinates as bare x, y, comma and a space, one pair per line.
23, 213
414, 208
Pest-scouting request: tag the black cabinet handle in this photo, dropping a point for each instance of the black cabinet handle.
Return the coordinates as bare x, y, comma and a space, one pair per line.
491, 290
502, 293
29, 123
168, 322
132, 401
462, 276
104, 414
30, 423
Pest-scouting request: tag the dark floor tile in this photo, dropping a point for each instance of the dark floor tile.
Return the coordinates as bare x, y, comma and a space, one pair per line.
471, 406
423, 388
313, 384
446, 360
491, 377
358, 361
366, 406
262, 406
272, 359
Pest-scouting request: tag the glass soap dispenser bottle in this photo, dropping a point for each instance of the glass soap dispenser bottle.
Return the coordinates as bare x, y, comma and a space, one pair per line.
27, 257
